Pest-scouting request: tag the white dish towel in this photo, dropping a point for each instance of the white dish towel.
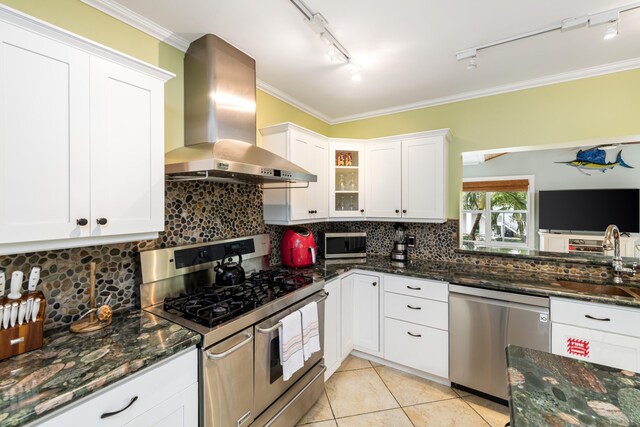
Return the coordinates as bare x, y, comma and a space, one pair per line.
310, 331
291, 355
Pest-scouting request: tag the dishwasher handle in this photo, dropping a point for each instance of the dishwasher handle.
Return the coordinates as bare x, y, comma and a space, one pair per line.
490, 301
540, 301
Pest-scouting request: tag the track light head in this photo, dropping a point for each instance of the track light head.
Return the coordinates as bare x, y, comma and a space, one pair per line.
611, 31
473, 63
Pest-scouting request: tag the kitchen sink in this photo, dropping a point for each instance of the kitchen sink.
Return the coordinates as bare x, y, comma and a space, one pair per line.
619, 291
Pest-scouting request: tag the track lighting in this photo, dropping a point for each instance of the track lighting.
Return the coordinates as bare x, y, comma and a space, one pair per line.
335, 49
611, 31
609, 17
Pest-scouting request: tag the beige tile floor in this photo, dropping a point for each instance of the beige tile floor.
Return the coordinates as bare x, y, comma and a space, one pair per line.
364, 394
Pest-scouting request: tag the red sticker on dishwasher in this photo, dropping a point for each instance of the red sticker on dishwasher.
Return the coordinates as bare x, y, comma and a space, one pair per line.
577, 347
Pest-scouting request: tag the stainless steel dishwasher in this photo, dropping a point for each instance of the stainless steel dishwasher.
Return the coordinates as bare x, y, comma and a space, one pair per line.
482, 323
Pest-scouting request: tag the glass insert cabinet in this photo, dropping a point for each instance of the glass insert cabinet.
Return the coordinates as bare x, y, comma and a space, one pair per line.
346, 179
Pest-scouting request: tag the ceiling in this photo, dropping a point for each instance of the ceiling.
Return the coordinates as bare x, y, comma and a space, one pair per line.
406, 48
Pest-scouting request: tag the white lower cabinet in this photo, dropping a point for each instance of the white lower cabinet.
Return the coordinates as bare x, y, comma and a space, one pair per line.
416, 324
366, 313
596, 333
332, 327
154, 397
416, 346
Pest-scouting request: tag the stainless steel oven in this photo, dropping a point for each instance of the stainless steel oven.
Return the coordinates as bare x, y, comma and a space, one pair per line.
344, 245
269, 384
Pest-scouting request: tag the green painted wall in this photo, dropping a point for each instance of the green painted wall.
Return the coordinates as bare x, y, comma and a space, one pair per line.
597, 107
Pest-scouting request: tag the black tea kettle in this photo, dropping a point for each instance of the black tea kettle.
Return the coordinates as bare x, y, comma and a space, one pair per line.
229, 273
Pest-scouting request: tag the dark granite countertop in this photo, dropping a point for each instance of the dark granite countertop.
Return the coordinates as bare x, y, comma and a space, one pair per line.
70, 366
510, 280
532, 254
550, 390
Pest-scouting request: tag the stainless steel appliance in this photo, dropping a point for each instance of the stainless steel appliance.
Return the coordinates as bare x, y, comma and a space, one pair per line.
336, 245
400, 251
240, 373
482, 323
220, 121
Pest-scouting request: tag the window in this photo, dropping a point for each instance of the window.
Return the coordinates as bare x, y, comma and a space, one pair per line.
497, 212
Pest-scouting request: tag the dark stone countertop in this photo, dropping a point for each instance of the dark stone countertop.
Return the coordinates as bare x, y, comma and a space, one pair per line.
550, 390
531, 254
69, 366
502, 279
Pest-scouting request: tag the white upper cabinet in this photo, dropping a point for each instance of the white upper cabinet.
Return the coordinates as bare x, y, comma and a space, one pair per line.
346, 178
384, 179
44, 137
423, 178
310, 151
81, 140
127, 130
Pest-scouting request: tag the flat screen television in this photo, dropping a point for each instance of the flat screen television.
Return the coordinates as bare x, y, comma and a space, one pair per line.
590, 210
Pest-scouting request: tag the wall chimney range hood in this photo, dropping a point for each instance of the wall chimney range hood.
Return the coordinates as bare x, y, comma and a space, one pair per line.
220, 121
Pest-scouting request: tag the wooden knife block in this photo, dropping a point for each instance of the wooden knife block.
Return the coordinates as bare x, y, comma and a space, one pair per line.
26, 337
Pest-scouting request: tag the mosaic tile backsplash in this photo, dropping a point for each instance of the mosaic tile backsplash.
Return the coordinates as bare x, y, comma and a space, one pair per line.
203, 211
195, 212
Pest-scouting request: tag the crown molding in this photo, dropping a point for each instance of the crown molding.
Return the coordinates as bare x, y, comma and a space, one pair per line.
584, 73
114, 9
282, 96
138, 21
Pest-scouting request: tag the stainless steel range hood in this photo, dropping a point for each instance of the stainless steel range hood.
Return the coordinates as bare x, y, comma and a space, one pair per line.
220, 121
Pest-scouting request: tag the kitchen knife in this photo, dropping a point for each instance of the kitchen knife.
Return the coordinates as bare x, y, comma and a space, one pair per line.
34, 278
14, 314
16, 285
27, 315
35, 310
1, 314
5, 316
2, 283
22, 310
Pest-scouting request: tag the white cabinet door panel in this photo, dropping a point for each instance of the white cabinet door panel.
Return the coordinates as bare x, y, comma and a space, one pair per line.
127, 173
44, 137
618, 351
422, 178
418, 347
366, 313
346, 316
332, 326
383, 183
605, 317
417, 310
300, 198
180, 410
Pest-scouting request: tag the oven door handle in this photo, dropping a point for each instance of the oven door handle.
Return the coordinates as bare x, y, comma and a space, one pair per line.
218, 356
277, 325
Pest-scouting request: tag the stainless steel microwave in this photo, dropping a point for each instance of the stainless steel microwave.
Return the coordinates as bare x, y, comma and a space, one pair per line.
344, 245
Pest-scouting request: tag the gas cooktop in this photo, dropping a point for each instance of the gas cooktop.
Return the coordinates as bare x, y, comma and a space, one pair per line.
213, 305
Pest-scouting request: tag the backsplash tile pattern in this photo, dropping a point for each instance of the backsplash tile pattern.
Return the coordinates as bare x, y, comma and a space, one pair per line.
195, 212
205, 211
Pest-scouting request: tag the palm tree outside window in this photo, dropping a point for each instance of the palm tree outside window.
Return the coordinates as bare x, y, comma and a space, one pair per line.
497, 212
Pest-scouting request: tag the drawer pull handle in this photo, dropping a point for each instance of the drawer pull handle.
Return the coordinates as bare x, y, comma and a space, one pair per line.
111, 414
602, 319
413, 289
413, 308
415, 335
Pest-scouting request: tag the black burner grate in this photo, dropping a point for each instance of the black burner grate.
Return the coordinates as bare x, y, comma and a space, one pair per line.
213, 305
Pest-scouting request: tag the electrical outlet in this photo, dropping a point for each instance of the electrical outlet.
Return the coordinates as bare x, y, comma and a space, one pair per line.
411, 240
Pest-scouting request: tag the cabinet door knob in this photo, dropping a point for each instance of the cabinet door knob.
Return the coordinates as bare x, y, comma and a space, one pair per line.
101, 221
310, 212
397, 211
82, 222
315, 212
375, 283
404, 211
361, 210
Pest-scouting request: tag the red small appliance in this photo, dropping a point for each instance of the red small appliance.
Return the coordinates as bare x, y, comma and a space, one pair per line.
298, 247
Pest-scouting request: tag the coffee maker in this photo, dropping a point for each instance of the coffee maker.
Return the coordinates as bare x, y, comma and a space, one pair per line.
400, 252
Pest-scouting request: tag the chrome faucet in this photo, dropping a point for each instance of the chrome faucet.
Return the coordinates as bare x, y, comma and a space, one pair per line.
616, 264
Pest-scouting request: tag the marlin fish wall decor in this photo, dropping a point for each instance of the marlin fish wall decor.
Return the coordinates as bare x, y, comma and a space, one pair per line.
595, 159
